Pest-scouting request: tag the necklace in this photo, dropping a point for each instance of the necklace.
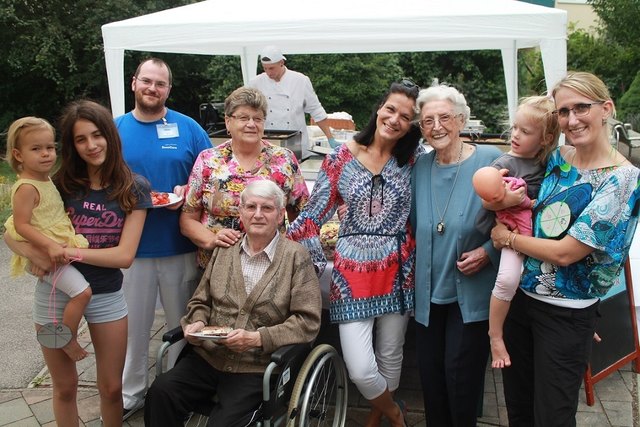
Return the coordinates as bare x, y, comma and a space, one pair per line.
440, 226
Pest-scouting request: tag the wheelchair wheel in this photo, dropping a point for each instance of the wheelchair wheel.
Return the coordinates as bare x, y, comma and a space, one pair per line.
319, 396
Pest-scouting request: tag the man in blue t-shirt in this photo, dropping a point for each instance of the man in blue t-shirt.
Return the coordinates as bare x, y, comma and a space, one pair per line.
161, 145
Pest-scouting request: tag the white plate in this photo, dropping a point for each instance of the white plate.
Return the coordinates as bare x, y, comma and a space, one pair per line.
208, 336
173, 200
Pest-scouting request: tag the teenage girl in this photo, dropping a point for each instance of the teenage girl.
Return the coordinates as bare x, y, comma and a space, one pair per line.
534, 135
39, 217
108, 205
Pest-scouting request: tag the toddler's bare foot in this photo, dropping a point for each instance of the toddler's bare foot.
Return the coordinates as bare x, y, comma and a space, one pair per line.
499, 354
74, 350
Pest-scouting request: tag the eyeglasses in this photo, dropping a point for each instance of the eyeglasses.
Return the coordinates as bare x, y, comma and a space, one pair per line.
443, 119
148, 82
579, 110
253, 208
245, 119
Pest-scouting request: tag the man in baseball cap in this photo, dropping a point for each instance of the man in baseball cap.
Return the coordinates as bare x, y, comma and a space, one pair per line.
289, 95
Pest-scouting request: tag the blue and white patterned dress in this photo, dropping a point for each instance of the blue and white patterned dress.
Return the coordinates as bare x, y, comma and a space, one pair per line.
597, 207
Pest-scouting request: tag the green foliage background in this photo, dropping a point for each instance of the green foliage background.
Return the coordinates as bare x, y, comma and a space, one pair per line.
52, 54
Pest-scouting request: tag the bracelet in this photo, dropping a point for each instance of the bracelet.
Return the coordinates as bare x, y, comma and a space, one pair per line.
513, 243
509, 241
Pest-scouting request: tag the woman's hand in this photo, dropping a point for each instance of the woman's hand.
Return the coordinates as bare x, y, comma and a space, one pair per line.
473, 261
500, 234
178, 190
41, 263
227, 237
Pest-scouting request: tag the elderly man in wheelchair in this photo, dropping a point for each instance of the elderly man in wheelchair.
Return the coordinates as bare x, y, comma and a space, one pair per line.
264, 290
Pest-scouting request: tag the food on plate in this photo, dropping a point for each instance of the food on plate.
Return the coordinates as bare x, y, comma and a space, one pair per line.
329, 233
159, 198
329, 237
215, 330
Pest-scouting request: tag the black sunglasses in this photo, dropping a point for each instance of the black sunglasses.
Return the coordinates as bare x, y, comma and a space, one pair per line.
409, 84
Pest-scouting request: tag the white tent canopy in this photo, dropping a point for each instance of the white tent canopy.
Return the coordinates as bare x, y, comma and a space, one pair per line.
220, 27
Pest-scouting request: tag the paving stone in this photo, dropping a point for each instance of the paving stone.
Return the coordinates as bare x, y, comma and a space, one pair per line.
8, 395
619, 413
43, 412
89, 407
35, 395
14, 410
27, 422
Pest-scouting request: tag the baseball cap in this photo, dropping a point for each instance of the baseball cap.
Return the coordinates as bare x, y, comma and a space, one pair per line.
271, 55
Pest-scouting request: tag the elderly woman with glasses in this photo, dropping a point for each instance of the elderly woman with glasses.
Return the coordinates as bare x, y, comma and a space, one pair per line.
372, 278
456, 264
210, 215
583, 222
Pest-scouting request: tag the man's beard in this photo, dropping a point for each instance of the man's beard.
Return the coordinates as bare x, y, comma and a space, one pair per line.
147, 108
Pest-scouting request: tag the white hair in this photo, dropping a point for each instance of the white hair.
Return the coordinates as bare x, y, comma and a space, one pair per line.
441, 91
266, 189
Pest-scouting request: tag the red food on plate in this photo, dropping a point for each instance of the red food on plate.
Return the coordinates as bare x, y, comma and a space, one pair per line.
159, 198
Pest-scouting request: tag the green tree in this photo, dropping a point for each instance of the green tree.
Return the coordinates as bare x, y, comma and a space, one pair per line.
52, 53
629, 106
477, 74
352, 83
619, 19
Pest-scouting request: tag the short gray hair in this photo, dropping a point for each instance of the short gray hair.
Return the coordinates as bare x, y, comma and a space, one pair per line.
442, 91
245, 97
266, 189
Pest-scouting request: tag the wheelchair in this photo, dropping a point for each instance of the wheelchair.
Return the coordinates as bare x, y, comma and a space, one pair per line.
302, 386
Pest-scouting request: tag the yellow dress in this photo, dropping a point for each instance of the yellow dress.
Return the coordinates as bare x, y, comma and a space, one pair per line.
49, 217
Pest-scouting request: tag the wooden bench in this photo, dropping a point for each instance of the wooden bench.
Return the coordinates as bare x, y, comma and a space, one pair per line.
622, 132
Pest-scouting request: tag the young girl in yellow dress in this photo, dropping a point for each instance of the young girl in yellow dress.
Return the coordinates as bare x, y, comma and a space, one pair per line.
39, 217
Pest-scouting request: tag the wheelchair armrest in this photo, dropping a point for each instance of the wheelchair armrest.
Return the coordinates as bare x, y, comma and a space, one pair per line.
173, 336
289, 352
168, 339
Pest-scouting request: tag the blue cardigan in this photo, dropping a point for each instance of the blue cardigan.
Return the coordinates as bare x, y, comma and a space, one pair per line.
473, 292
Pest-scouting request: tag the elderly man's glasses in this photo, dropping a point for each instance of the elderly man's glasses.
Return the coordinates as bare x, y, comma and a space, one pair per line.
245, 119
444, 120
579, 110
254, 207
148, 82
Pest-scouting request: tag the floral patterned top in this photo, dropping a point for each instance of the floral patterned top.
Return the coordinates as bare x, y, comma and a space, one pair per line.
597, 207
217, 179
373, 270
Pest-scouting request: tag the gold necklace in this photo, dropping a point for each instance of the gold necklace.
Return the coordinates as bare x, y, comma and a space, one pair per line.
440, 228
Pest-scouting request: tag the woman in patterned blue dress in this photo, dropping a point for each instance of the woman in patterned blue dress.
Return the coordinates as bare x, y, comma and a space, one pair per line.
372, 278
584, 220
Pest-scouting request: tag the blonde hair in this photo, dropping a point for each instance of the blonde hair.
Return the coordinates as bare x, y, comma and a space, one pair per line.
19, 129
540, 110
586, 84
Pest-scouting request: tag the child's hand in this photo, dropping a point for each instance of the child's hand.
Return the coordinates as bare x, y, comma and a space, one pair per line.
57, 254
72, 254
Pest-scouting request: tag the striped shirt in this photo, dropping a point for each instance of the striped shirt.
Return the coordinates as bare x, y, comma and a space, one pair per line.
253, 267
